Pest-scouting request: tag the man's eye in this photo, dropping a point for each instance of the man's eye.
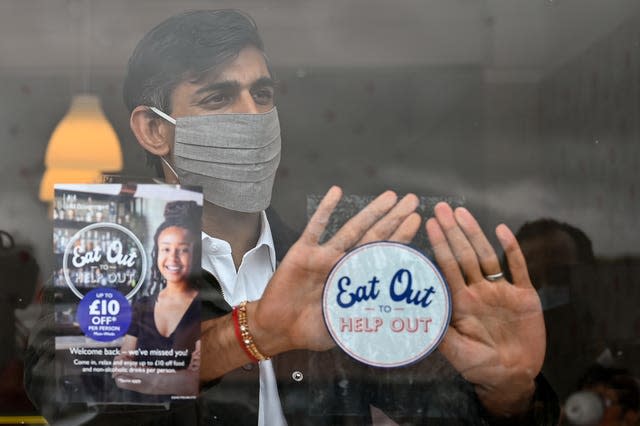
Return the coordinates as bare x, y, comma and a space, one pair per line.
218, 98
263, 96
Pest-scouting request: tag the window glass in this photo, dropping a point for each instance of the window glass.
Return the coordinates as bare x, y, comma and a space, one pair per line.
525, 112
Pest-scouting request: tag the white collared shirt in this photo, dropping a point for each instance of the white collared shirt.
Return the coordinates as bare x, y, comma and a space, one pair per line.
248, 283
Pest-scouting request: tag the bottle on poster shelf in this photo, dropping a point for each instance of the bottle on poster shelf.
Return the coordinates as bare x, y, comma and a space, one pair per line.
58, 278
113, 213
80, 211
70, 212
64, 240
88, 217
81, 243
58, 242
120, 213
131, 273
61, 209
90, 241
57, 234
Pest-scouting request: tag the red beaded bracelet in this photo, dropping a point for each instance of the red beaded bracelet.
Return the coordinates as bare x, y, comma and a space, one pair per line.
243, 335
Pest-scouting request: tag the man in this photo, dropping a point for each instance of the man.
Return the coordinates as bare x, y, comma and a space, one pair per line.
198, 88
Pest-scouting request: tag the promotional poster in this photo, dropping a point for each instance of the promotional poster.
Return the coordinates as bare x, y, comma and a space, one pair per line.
127, 311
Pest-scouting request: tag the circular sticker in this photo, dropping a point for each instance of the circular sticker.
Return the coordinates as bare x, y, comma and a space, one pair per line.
104, 314
385, 304
104, 255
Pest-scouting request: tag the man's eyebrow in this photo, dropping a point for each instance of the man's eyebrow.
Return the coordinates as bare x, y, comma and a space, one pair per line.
264, 81
234, 85
220, 85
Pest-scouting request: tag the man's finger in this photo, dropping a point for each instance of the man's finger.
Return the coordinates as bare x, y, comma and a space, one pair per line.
407, 229
320, 218
352, 231
489, 263
390, 223
447, 262
458, 242
515, 258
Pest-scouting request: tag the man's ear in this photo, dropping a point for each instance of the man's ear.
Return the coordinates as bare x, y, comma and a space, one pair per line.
153, 133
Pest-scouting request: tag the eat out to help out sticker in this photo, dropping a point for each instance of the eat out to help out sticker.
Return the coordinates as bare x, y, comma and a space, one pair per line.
385, 304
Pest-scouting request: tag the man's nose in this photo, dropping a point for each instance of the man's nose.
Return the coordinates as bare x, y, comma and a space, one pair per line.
245, 104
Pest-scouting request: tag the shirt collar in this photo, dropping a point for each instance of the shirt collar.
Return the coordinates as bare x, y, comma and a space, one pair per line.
219, 246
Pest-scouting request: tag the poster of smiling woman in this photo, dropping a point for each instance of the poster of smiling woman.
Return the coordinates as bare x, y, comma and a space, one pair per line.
127, 308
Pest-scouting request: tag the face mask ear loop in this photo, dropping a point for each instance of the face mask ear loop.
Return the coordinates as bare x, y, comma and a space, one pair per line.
170, 168
163, 115
172, 121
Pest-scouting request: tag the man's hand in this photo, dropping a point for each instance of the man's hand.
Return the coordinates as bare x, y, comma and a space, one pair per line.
289, 315
496, 339
194, 364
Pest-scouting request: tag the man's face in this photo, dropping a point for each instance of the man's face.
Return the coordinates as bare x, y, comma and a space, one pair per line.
242, 86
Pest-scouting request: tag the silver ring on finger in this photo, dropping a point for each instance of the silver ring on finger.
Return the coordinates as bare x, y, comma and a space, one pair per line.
494, 277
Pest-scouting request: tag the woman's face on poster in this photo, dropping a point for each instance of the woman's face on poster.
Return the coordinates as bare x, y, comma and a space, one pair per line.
175, 251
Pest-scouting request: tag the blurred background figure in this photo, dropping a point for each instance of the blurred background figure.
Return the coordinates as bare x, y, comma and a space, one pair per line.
19, 275
589, 311
557, 255
552, 250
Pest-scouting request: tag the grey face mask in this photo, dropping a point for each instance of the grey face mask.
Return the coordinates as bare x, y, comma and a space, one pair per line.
234, 157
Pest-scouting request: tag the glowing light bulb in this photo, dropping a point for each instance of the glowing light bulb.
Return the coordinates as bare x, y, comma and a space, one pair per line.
82, 146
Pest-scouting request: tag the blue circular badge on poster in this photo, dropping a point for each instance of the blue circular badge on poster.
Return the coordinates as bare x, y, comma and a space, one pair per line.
385, 304
104, 314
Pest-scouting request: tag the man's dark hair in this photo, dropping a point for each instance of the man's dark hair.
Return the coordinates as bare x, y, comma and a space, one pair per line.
544, 227
185, 46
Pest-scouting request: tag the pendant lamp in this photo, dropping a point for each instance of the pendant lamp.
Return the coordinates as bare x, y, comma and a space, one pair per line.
82, 146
